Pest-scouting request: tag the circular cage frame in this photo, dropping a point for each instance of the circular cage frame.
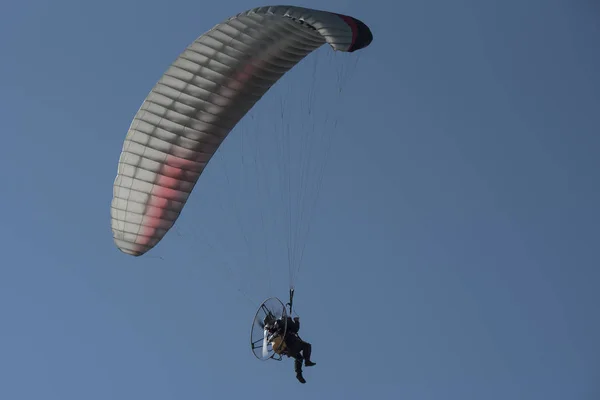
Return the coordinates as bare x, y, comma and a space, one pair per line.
275, 307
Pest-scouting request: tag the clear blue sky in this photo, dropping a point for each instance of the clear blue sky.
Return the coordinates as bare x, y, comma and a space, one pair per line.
455, 253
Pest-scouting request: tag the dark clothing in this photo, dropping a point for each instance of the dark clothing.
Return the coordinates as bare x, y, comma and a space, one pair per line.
292, 326
295, 346
300, 350
303, 350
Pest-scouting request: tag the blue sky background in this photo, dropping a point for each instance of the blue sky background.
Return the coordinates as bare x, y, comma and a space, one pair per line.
455, 248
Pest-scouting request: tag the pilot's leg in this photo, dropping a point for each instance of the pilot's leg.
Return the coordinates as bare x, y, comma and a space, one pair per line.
298, 368
306, 350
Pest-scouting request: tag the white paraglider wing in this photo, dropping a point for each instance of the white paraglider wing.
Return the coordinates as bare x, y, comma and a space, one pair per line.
199, 100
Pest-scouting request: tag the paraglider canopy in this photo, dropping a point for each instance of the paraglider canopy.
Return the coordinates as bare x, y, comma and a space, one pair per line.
199, 99
271, 310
